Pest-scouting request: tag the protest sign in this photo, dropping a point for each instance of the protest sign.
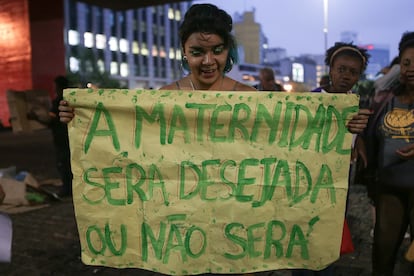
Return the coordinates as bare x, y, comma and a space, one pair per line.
188, 182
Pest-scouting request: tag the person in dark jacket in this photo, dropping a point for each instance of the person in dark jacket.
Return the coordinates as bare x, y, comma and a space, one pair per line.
60, 136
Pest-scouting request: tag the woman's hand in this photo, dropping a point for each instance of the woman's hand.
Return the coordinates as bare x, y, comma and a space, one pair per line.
406, 152
359, 122
66, 113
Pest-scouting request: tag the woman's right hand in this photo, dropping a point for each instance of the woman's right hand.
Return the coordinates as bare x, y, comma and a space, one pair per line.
66, 113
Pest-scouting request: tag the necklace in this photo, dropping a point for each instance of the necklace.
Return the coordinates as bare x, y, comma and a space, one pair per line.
192, 84
194, 87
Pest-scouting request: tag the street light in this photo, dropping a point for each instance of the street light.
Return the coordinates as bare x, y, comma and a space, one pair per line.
325, 25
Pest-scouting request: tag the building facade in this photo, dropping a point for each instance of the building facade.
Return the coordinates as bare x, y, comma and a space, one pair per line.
379, 58
249, 37
138, 47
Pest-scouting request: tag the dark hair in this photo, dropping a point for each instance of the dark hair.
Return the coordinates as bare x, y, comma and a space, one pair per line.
407, 41
207, 18
268, 73
394, 61
346, 49
61, 82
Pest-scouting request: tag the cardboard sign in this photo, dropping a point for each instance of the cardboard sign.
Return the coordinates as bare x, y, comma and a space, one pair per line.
189, 182
21, 103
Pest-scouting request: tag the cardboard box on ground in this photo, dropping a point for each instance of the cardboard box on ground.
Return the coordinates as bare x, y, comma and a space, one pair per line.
21, 103
15, 187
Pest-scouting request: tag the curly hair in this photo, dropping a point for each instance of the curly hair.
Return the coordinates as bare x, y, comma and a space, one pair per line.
346, 49
208, 18
407, 41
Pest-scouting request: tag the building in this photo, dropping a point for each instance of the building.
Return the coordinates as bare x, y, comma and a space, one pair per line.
273, 55
379, 54
32, 50
379, 58
245, 73
249, 36
301, 70
349, 37
321, 68
138, 47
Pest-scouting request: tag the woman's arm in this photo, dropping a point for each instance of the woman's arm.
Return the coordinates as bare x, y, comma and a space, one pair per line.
66, 113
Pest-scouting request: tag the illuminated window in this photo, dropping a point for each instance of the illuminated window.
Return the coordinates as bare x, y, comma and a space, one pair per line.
73, 37
177, 15
178, 54
162, 52
88, 39
298, 72
144, 50
73, 64
123, 45
124, 69
100, 41
171, 55
101, 65
154, 51
114, 68
170, 14
135, 47
113, 44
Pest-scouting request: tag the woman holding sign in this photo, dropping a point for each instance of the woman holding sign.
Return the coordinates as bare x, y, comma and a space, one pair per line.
346, 64
209, 51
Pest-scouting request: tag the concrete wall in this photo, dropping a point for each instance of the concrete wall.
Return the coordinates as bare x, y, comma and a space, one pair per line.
31, 47
15, 51
47, 42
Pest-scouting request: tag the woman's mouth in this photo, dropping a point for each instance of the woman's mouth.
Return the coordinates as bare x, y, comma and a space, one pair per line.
208, 73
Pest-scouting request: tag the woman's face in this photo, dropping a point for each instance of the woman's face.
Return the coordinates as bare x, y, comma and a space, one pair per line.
407, 67
206, 57
344, 73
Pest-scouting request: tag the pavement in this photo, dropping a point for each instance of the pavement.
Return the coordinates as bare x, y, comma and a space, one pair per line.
46, 242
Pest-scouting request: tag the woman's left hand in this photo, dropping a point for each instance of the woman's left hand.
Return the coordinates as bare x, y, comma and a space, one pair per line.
406, 152
359, 121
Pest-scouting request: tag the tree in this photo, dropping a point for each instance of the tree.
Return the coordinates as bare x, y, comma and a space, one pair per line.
90, 73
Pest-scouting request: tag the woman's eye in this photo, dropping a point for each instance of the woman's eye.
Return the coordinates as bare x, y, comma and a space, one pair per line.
406, 62
218, 50
195, 53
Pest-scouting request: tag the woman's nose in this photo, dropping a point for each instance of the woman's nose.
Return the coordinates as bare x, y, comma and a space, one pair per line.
207, 58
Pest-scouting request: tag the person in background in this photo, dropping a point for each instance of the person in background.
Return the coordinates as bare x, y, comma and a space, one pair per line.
60, 137
267, 81
389, 141
388, 77
2, 195
347, 63
324, 81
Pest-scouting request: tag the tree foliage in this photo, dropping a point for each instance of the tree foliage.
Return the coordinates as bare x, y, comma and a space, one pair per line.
90, 73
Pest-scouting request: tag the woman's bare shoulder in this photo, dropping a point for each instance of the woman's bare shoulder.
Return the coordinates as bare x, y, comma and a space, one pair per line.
171, 86
244, 87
